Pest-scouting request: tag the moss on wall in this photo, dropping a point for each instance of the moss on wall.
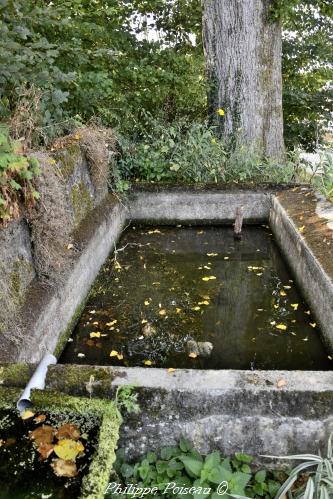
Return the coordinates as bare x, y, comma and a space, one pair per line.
81, 202
67, 159
16, 375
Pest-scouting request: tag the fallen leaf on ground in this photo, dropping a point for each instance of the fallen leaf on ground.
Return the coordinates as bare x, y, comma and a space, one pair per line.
171, 370
313, 324
148, 363
95, 323
281, 383
283, 293
301, 229
205, 302
209, 278
178, 310
162, 311
193, 355
70, 246
64, 468
307, 312
147, 302
114, 353
67, 449
68, 430
196, 309
226, 258
212, 254
42, 435
156, 231
81, 355
294, 306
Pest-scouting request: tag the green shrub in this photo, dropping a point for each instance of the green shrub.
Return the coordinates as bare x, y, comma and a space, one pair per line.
187, 468
323, 180
192, 153
16, 174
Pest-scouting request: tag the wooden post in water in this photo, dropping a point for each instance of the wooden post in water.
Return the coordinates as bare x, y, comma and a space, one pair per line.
238, 223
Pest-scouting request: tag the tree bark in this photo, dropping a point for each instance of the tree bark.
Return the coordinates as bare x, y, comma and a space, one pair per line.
243, 50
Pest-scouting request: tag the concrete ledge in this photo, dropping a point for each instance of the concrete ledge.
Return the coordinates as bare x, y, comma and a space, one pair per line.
314, 282
228, 410
207, 207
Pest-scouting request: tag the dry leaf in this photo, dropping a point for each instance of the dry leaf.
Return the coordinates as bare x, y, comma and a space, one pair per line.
148, 363
68, 431
209, 278
193, 355
64, 468
171, 370
282, 327
108, 324
283, 293
95, 335
162, 312
45, 450
95, 323
313, 324
294, 306
178, 310
196, 309
281, 383
40, 419
42, 435
212, 254
301, 229
70, 246
27, 414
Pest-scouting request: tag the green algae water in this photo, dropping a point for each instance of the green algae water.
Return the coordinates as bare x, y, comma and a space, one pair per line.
167, 287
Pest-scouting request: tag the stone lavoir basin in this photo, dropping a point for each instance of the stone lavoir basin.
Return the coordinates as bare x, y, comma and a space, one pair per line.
194, 297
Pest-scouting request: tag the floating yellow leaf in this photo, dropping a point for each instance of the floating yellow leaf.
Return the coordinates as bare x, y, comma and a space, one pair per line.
95, 323
156, 231
307, 312
95, 335
120, 356
313, 324
283, 293
282, 327
111, 323
68, 449
196, 309
276, 306
193, 355
205, 302
148, 363
226, 258
27, 414
212, 254
162, 311
209, 278
114, 353
294, 306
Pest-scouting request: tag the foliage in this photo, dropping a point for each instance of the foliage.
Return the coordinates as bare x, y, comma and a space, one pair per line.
320, 479
127, 399
323, 179
192, 153
17, 172
307, 72
188, 468
87, 59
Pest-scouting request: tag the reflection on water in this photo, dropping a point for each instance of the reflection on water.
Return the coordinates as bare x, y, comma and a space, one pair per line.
169, 285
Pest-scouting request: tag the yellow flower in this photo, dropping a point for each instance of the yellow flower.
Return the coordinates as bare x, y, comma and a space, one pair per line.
220, 112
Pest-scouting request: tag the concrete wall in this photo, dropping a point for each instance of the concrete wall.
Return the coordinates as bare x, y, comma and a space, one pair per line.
315, 283
205, 206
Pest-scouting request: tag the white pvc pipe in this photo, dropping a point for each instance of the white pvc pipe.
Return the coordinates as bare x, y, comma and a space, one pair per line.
36, 381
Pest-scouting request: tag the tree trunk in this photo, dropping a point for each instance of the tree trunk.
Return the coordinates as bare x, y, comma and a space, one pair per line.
243, 59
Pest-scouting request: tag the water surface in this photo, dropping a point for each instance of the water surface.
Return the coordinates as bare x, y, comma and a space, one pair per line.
197, 283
